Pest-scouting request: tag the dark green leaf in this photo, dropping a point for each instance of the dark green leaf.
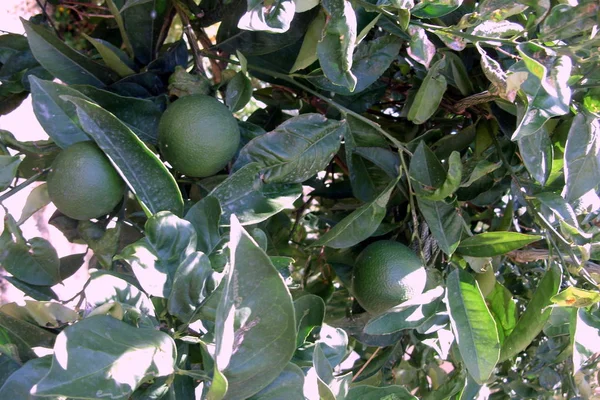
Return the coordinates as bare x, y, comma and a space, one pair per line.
142, 20
452, 181
7, 367
8, 170
245, 195
169, 243
19, 384
364, 392
582, 157
17, 338
426, 170
41, 293
429, 95
490, 244
473, 325
337, 43
444, 222
144, 173
255, 319
93, 357
238, 92
537, 153
63, 62
566, 21
360, 224
34, 262
296, 150
435, 8
308, 52
310, 312
288, 385
111, 56
205, 216
534, 318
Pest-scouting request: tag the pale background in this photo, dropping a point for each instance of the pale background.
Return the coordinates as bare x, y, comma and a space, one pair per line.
23, 124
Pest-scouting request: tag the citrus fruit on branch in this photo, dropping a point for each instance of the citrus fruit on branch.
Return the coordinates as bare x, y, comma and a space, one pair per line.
198, 135
82, 182
386, 274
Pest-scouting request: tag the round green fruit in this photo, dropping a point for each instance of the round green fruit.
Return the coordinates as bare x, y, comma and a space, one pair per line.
386, 274
82, 182
198, 135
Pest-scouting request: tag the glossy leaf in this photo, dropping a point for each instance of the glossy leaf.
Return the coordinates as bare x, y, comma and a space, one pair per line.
63, 62
473, 325
490, 244
170, 242
337, 43
255, 319
205, 216
245, 195
582, 157
537, 153
238, 92
271, 17
93, 358
296, 150
429, 95
360, 224
534, 318
144, 173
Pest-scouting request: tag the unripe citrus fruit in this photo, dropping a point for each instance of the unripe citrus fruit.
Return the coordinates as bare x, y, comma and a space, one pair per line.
386, 274
198, 135
83, 184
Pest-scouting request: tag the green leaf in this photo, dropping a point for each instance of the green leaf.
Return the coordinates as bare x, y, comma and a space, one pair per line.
371, 59
169, 243
142, 20
435, 8
238, 92
41, 293
426, 170
408, 315
498, 10
566, 21
586, 337
273, 17
457, 75
192, 284
34, 262
110, 56
337, 43
93, 358
490, 244
45, 314
420, 47
575, 297
329, 386
360, 224
536, 314
144, 173
473, 325
36, 200
288, 385
582, 157
364, 392
19, 384
482, 168
8, 170
57, 116
452, 181
537, 153
103, 242
504, 310
445, 223
308, 51
255, 319
296, 150
205, 216
430, 93
310, 312
245, 195
17, 338
140, 115
63, 62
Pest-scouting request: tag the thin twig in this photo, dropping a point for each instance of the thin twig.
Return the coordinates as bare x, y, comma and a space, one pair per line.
23, 185
207, 44
47, 17
366, 364
191, 35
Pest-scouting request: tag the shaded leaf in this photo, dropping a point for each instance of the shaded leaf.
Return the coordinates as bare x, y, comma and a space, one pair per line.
17, 338
34, 262
364, 392
444, 222
111, 344
288, 385
566, 21
19, 384
238, 92
429, 95
473, 325
308, 52
310, 312
205, 216
111, 56
255, 319
537, 153
36, 200
8, 170
490, 244
142, 21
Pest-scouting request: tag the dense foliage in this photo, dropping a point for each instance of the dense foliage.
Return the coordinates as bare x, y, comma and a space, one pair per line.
466, 131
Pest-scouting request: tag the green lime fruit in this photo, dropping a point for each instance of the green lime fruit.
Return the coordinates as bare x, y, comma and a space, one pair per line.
82, 182
386, 274
198, 135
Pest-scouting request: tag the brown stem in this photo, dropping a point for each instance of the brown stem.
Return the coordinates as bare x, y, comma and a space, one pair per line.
191, 35
207, 44
366, 364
